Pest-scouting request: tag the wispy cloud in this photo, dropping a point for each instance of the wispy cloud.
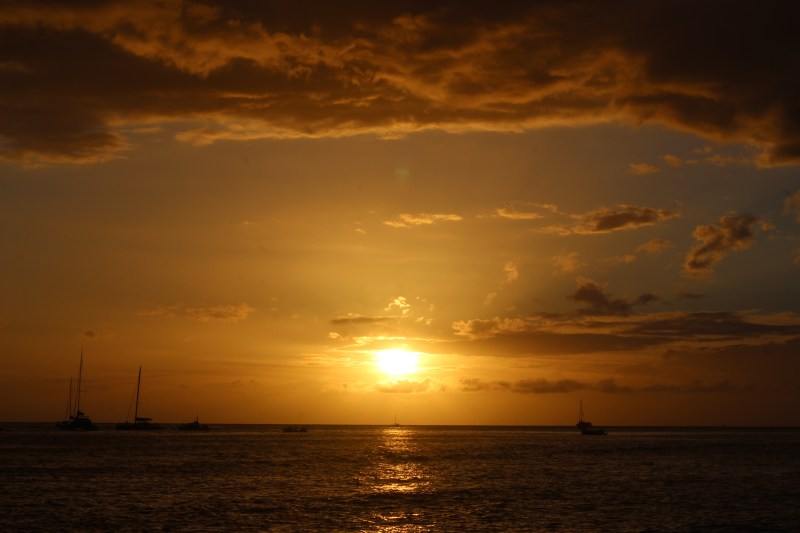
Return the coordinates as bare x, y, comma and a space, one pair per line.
216, 313
511, 270
607, 220
568, 263
404, 386
731, 233
407, 220
515, 213
597, 302
656, 246
608, 386
81, 74
220, 313
642, 169
607, 323
791, 205
360, 319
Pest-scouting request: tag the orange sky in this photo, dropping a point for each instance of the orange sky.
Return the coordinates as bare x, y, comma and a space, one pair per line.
338, 213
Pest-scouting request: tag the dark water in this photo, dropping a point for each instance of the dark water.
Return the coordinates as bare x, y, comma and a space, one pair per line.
336, 478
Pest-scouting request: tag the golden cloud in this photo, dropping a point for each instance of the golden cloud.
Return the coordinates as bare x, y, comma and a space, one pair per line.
77, 75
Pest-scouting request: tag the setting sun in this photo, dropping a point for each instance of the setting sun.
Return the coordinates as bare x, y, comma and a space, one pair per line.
396, 362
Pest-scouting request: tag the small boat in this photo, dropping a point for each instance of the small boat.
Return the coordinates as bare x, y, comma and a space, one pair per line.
396, 423
586, 427
194, 426
295, 429
140, 423
77, 420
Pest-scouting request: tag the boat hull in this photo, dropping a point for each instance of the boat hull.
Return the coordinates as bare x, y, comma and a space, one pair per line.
138, 426
193, 426
76, 424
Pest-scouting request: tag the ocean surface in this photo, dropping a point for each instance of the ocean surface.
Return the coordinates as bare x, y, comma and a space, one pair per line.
407, 478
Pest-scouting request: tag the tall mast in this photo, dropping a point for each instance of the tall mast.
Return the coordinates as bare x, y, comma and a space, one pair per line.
69, 401
138, 383
78, 393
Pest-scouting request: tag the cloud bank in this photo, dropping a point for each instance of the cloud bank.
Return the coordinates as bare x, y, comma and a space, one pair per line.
80, 79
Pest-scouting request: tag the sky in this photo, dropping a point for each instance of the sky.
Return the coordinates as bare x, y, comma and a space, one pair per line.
443, 212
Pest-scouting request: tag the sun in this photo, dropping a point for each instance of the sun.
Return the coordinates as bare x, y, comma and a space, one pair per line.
396, 362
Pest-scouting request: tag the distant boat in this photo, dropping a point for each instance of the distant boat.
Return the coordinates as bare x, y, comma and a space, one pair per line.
295, 429
194, 426
139, 423
77, 420
396, 423
586, 427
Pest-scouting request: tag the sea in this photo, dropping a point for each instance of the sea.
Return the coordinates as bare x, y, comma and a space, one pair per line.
398, 479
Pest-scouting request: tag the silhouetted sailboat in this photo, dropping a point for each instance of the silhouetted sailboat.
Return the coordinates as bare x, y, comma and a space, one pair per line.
77, 421
586, 427
140, 423
194, 426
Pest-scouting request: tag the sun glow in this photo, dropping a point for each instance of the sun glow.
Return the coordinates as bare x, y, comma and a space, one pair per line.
396, 362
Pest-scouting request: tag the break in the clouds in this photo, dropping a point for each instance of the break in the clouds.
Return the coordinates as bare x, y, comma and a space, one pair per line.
731, 233
80, 79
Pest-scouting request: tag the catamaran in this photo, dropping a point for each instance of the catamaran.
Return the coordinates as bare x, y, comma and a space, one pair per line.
140, 423
76, 420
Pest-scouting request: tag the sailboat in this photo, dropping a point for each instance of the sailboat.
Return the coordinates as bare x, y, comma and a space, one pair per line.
586, 427
139, 423
194, 426
77, 420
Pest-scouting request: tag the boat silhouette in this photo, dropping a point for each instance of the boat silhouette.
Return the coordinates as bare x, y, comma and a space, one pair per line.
76, 420
586, 427
140, 423
194, 426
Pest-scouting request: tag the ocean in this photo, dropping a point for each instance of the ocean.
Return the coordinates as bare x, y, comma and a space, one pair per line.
393, 479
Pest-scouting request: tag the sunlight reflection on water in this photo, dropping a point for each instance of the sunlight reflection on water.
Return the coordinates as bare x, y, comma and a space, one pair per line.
398, 465
398, 479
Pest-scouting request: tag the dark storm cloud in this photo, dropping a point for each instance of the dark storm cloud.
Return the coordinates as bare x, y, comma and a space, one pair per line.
76, 76
731, 233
